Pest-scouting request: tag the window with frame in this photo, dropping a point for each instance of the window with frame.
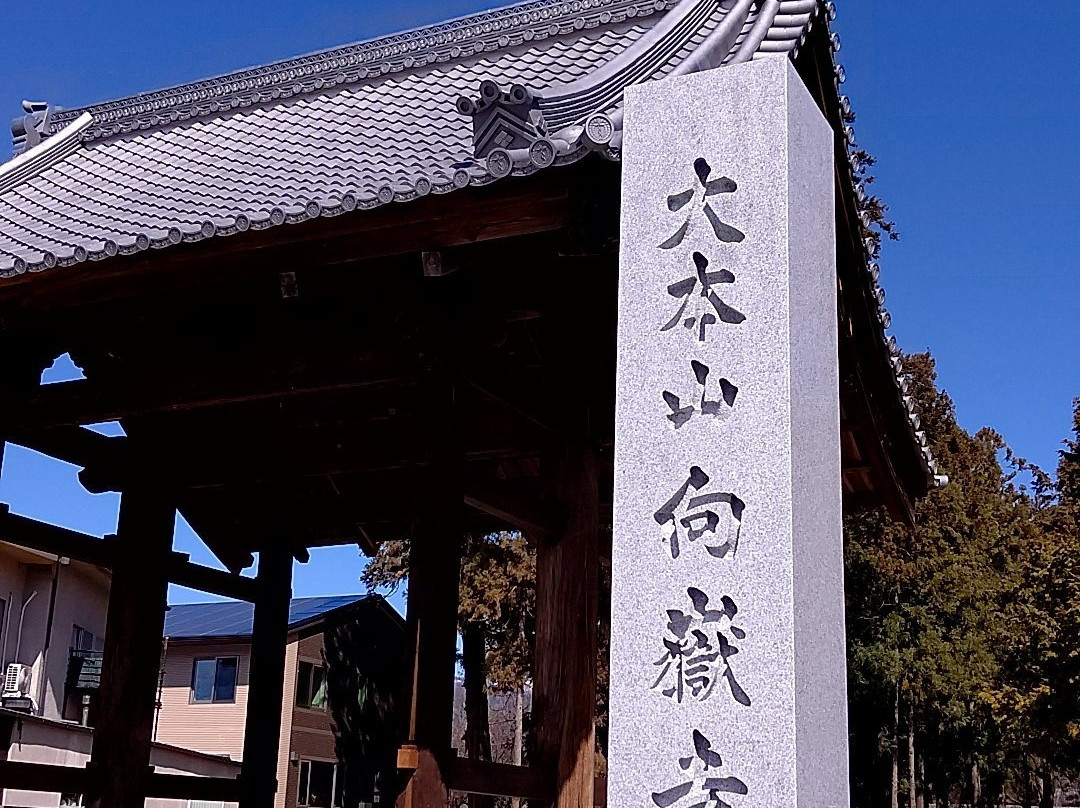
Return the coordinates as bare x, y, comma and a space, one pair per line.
83, 640
321, 784
213, 680
311, 686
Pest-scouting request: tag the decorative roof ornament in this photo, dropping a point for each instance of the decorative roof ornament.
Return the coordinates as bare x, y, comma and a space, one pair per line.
29, 130
503, 120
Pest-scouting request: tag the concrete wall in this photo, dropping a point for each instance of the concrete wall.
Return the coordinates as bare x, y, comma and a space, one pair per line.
82, 598
12, 578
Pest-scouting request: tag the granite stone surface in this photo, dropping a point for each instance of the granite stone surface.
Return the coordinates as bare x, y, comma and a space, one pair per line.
727, 653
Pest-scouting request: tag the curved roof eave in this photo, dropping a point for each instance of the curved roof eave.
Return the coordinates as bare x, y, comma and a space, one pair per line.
741, 34
584, 113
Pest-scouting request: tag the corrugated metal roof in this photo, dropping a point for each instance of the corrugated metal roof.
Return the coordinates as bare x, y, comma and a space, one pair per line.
234, 618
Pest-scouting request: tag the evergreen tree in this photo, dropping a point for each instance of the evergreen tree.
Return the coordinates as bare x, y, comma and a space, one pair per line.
496, 620
937, 616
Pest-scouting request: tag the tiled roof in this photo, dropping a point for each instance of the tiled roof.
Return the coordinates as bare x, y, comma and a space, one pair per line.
350, 128
364, 125
233, 618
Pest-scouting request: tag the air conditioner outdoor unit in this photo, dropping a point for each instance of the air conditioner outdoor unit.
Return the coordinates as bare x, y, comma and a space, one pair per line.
17, 681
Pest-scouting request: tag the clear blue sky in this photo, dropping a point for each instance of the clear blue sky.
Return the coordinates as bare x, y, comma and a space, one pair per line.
973, 110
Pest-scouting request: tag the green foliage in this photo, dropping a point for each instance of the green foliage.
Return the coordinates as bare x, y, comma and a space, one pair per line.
970, 621
497, 592
363, 681
878, 224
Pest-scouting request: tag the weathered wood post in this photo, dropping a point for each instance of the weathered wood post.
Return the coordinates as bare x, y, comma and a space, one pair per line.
120, 759
564, 667
728, 667
266, 678
435, 560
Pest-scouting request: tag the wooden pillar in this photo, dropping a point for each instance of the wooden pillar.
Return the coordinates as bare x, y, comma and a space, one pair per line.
266, 678
564, 667
431, 629
120, 760
435, 562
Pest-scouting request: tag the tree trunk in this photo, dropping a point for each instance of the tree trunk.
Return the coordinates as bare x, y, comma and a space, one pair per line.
975, 784
473, 659
519, 735
894, 752
1028, 793
477, 725
912, 787
920, 773
1046, 775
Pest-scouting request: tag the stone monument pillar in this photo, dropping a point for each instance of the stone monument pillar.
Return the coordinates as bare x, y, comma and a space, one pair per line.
727, 651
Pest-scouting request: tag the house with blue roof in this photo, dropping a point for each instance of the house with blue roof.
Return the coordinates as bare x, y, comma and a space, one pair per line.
203, 697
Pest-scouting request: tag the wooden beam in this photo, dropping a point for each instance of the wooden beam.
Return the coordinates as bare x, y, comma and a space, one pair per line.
435, 555
564, 667
534, 518
207, 579
48, 778
269, 457
500, 780
269, 638
60, 541
274, 375
600, 791
76, 445
120, 757
515, 403
889, 489
509, 208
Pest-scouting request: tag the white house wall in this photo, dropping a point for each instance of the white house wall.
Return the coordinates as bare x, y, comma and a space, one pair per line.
69, 745
12, 576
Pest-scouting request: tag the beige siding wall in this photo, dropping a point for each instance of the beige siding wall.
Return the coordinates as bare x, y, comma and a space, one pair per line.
69, 745
312, 736
284, 797
216, 729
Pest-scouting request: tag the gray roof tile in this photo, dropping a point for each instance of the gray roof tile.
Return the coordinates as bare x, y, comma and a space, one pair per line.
353, 127
348, 128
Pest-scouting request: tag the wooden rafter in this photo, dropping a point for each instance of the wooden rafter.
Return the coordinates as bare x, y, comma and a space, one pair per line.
66, 543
